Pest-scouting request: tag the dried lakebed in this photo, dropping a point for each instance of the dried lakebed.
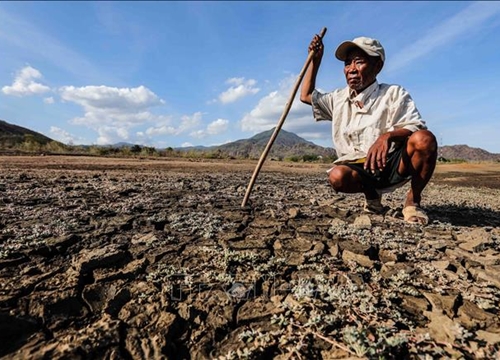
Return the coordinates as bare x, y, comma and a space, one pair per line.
137, 259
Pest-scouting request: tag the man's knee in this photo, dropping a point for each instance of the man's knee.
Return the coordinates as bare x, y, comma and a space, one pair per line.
334, 178
338, 178
423, 141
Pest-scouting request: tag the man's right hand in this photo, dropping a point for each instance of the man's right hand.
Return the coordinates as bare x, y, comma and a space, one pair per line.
309, 81
316, 45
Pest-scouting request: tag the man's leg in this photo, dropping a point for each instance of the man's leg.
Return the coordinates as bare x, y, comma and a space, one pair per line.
419, 161
347, 180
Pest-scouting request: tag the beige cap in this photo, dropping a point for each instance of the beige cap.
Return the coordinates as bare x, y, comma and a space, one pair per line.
370, 46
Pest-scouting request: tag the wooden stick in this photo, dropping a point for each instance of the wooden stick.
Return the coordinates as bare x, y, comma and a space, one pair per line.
280, 123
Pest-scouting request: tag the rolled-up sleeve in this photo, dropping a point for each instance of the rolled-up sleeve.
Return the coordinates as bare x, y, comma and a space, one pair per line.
322, 106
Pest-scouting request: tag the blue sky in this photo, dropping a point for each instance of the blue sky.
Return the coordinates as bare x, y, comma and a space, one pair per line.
205, 73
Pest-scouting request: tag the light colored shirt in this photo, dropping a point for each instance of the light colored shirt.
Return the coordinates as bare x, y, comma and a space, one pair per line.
358, 121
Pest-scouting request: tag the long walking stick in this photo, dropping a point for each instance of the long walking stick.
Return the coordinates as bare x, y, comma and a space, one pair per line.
280, 123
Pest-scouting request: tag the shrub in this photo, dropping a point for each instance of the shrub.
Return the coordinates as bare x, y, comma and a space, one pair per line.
310, 157
293, 158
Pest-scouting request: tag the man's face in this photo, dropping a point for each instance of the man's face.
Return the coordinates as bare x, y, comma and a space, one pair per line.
360, 69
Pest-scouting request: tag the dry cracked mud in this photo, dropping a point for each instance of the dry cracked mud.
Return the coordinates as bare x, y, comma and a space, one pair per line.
156, 259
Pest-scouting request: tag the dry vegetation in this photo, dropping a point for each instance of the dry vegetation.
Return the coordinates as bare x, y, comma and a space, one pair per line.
143, 259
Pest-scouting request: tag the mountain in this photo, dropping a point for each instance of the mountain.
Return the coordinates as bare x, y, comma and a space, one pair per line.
286, 144
12, 135
122, 144
466, 152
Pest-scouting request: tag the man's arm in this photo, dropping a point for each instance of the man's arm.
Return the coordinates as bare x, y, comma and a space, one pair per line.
309, 81
377, 154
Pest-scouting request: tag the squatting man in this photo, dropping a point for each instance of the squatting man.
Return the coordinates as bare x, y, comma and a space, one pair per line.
381, 140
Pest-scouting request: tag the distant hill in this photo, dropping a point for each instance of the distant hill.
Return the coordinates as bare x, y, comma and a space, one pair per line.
287, 144
466, 152
12, 135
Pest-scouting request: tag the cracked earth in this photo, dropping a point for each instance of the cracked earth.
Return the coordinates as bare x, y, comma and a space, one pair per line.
142, 259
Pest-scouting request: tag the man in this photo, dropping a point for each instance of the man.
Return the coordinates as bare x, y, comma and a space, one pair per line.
381, 140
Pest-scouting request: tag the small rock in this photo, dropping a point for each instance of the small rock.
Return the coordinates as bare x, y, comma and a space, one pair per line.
294, 258
487, 275
144, 239
473, 259
238, 291
363, 222
441, 264
363, 249
390, 269
334, 249
334, 212
388, 256
446, 304
475, 245
439, 245
63, 242
356, 278
300, 244
415, 305
334, 354
472, 316
336, 222
358, 259
291, 303
317, 249
438, 233
307, 229
293, 213
488, 337
97, 258
256, 309
479, 234
441, 327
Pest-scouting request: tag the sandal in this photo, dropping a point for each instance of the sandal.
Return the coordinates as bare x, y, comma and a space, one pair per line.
373, 206
415, 212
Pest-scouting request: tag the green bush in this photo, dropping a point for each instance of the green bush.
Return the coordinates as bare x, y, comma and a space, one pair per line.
55, 147
310, 157
293, 158
149, 151
30, 144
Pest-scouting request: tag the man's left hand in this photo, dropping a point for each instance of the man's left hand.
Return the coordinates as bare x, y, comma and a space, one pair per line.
377, 154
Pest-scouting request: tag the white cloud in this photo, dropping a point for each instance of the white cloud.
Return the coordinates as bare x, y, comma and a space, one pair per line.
299, 120
111, 98
165, 127
198, 134
161, 130
64, 136
240, 89
186, 144
48, 100
24, 83
111, 134
468, 20
112, 111
215, 127
266, 114
270, 108
189, 122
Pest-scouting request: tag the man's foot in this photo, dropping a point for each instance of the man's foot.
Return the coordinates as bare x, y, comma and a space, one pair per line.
374, 206
415, 214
